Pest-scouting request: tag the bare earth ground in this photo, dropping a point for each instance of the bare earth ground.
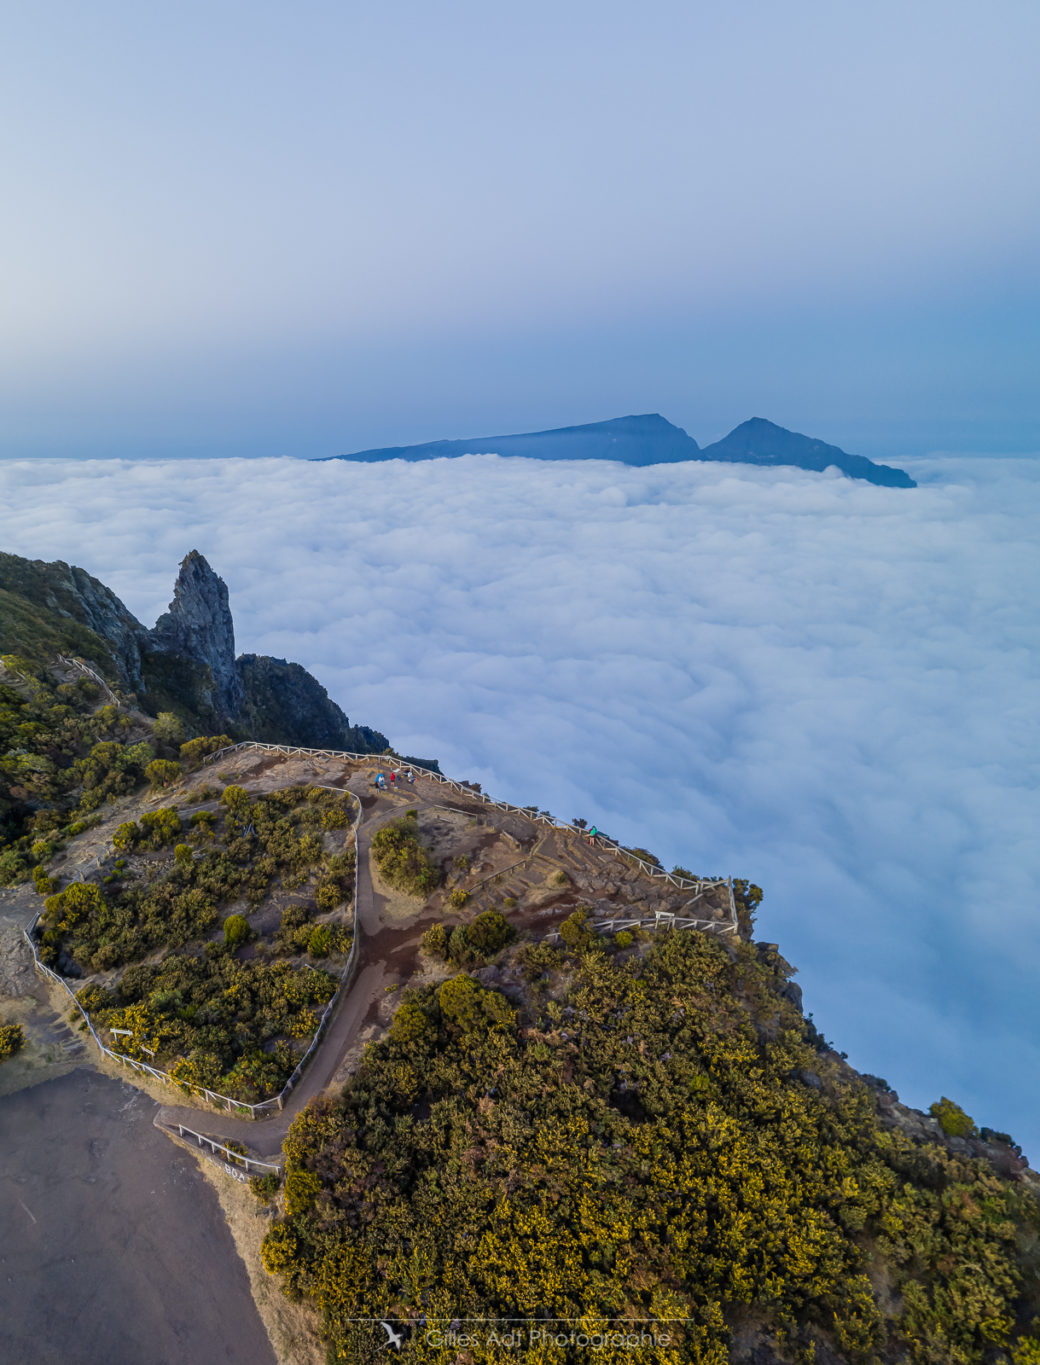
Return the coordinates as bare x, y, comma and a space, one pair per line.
294, 1329
115, 1249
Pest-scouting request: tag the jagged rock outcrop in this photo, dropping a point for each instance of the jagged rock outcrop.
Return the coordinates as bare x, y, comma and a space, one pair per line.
198, 627
186, 663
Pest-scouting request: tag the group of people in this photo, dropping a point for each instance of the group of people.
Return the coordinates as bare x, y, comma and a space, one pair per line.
397, 778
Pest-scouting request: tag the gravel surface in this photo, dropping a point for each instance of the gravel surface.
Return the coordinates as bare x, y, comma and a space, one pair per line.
115, 1249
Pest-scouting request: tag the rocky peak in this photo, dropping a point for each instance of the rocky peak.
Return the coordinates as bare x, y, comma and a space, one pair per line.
198, 626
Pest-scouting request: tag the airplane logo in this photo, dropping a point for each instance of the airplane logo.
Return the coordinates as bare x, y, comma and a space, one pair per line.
393, 1338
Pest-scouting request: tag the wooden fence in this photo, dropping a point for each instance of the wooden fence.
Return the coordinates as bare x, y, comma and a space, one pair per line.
236, 1164
662, 919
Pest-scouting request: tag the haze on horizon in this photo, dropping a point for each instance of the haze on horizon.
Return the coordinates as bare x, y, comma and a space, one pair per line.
257, 231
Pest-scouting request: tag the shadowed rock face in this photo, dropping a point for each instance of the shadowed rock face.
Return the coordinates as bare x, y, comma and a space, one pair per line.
282, 700
185, 664
198, 626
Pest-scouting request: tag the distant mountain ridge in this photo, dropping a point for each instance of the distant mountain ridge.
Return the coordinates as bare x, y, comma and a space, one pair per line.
649, 439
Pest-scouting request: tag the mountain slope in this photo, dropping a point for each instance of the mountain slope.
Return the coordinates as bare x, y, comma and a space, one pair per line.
651, 439
643, 440
759, 441
186, 664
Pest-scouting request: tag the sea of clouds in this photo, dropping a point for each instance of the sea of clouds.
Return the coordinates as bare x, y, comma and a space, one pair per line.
827, 687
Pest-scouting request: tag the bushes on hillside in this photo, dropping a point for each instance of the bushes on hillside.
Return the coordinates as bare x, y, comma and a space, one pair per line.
235, 1027
162, 772
402, 860
642, 1145
195, 750
12, 1040
478, 941
166, 906
952, 1119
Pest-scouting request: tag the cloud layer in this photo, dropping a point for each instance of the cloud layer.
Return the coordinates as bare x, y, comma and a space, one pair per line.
824, 686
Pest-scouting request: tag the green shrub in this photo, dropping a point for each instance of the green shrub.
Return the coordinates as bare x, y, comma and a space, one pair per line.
952, 1119
195, 750
319, 944
236, 798
490, 932
168, 729
460, 950
159, 828
327, 895
126, 836
161, 772
236, 931
402, 860
12, 1040
575, 933
265, 1187
457, 899
538, 959
45, 885
435, 941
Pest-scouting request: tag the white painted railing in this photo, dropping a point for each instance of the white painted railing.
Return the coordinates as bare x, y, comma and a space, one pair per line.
248, 1163
661, 920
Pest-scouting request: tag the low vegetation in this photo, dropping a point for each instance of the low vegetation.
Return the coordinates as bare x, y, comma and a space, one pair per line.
403, 860
655, 1132
236, 1027
12, 1040
466, 944
239, 851
62, 756
179, 886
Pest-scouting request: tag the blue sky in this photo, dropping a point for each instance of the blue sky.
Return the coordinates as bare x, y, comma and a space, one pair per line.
249, 229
